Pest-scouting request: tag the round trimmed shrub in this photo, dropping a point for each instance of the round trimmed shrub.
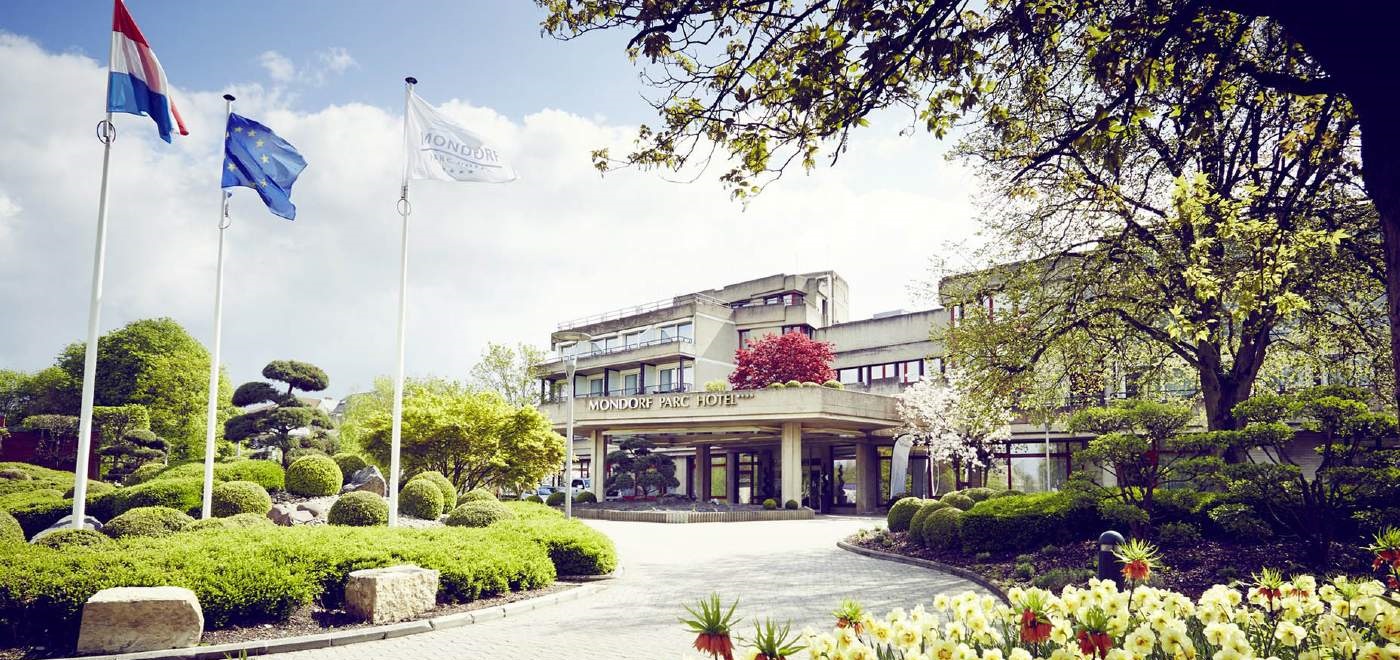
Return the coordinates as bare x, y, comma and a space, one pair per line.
15, 474
483, 495
770, 504
303, 452
942, 529
268, 474
10, 531
585, 497
207, 523
556, 498
248, 521
64, 539
94, 488
776, 386
533, 498
185, 494
314, 476
479, 514
443, 484
920, 518
359, 509
834, 384
421, 499
1010, 492
791, 505
793, 383
811, 384
901, 512
979, 494
143, 474
147, 521
958, 500
231, 498
349, 463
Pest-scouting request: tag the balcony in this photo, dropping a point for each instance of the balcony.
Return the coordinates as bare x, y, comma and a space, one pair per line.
651, 351
673, 388
638, 310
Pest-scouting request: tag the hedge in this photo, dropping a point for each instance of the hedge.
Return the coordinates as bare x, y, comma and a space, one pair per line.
268, 474
483, 495
231, 498
183, 494
144, 473
73, 538
94, 488
527, 510
943, 529
920, 518
260, 575
901, 512
573, 547
585, 497
10, 531
24, 477
314, 476
479, 514
444, 485
979, 494
555, 498
421, 498
958, 500
359, 509
147, 521
1021, 522
349, 464
36, 510
240, 521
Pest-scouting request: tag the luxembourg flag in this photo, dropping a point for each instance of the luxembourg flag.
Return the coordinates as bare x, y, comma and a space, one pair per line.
135, 82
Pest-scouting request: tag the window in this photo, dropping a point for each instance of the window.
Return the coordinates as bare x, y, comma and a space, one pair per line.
629, 384
882, 371
739, 303
773, 300
680, 331
633, 339
686, 330
569, 349
595, 386
911, 371
612, 343
791, 299
848, 376
803, 329
667, 379
744, 338
935, 365
597, 346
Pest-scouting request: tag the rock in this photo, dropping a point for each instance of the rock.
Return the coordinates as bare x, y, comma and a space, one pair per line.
367, 479
396, 593
318, 508
301, 517
66, 522
281, 514
132, 619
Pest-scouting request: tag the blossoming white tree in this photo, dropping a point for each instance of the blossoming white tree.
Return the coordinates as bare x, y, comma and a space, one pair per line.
960, 426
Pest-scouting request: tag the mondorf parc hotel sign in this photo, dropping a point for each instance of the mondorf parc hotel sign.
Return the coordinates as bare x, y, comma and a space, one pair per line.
697, 400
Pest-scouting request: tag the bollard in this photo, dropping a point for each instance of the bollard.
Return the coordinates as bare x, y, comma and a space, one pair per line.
1108, 564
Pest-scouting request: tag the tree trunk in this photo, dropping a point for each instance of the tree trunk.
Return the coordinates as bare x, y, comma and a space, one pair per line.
1380, 155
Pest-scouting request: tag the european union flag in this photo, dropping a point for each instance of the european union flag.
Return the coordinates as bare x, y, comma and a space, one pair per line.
254, 157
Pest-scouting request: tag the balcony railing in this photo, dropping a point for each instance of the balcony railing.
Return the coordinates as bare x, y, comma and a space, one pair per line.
620, 349
673, 388
640, 309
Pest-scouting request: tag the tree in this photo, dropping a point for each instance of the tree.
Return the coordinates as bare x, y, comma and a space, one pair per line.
133, 449
54, 432
509, 372
1141, 444
157, 364
275, 424
780, 358
771, 83
959, 425
47, 391
114, 423
475, 438
636, 466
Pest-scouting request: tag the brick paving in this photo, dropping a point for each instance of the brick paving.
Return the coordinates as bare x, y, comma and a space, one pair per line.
784, 569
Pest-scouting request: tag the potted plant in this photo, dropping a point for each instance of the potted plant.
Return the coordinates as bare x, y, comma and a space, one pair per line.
711, 624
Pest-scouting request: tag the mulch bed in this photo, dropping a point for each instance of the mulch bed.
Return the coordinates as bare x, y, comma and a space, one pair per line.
1190, 569
665, 505
308, 620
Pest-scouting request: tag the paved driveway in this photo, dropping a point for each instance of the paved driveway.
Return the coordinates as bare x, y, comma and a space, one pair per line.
784, 569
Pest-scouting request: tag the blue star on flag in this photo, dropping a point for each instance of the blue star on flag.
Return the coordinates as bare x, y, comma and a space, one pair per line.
255, 157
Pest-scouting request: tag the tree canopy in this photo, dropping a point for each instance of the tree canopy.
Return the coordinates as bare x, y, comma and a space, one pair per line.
510, 372
779, 358
274, 425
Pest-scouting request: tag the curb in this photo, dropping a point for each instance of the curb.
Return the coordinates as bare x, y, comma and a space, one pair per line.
684, 517
357, 635
928, 563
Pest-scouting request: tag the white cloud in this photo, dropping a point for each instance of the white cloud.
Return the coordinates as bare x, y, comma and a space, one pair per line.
500, 263
327, 63
335, 60
279, 68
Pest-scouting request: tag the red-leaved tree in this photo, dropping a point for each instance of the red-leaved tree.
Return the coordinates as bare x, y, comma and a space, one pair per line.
779, 359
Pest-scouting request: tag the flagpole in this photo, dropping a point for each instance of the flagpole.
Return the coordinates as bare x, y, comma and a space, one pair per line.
405, 208
212, 419
107, 134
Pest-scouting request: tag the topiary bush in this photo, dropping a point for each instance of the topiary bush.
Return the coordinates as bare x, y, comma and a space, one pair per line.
920, 518
811, 384
901, 512
1239, 522
958, 500
349, 463
483, 495
556, 498
184, 494
585, 497
240, 521
1178, 534
10, 530
94, 488
444, 486
314, 476
479, 514
979, 494
268, 474
776, 386
1010, 492
793, 383
421, 499
147, 521
791, 505
36, 510
834, 384
144, 473
1023, 522
770, 504
231, 498
943, 529
535, 498
358, 509
65, 539
573, 547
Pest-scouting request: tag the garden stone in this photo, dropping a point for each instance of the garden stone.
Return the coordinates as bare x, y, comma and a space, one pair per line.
317, 508
301, 517
366, 479
133, 619
66, 522
396, 593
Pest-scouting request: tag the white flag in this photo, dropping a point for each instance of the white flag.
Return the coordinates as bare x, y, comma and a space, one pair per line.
443, 151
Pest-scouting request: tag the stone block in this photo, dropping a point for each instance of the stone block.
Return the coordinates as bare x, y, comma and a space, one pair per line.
396, 593
66, 522
134, 619
366, 479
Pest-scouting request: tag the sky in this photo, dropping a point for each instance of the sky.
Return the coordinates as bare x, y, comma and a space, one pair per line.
501, 263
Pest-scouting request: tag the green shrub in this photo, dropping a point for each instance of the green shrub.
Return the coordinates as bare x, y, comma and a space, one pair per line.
479, 514
249, 577
793, 383
834, 384
444, 486
358, 509
268, 474
144, 473
534, 498
483, 495
240, 521
920, 518
791, 505
716, 386
901, 512
11, 473
207, 523
573, 547
10, 530
585, 497
1010, 492
770, 504
185, 494
1056, 579
349, 464
23, 477
94, 488
776, 386
147, 521
942, 530
958, 500
64, 539
231, 498
526, 510
303, 452
1117, 514
556, 498
1023, 570
313, 476
979, 494
1178, 534
1022, 522
811, 384
1239, 522
421, 499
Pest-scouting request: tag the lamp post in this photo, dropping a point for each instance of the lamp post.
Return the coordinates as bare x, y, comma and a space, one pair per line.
570, 367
